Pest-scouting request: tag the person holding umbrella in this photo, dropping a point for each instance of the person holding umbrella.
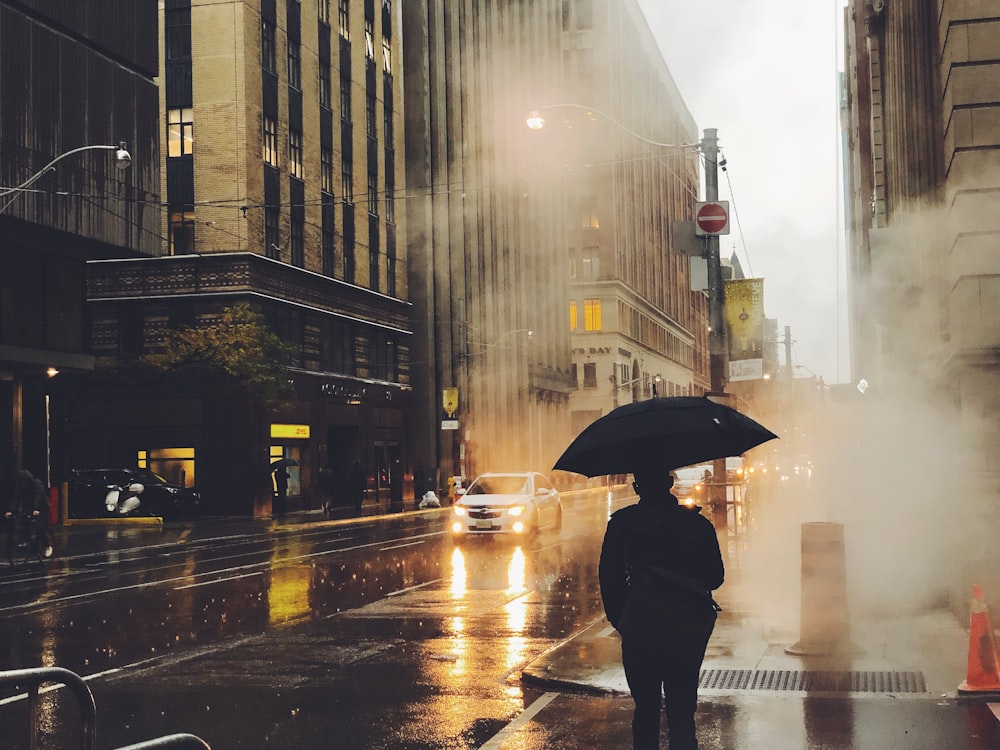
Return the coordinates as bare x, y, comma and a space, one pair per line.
659, 563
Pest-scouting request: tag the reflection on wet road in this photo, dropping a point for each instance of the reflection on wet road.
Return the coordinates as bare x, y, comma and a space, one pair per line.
388, 607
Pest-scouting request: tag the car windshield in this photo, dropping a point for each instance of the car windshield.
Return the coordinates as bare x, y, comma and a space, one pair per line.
499, 485
686, 475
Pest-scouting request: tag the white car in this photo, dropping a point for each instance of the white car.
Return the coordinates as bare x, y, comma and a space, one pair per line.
515, 503
690, 484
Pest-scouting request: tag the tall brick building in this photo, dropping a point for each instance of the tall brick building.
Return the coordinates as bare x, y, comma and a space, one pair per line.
282, 148
544, 286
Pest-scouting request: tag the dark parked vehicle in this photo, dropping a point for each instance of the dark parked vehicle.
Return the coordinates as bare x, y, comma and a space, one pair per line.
88, 489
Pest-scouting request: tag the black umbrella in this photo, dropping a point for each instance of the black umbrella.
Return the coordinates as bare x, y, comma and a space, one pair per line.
668, 432
286, 462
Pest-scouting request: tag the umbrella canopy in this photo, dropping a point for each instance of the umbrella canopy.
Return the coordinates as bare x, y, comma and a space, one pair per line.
286, 462
668, 432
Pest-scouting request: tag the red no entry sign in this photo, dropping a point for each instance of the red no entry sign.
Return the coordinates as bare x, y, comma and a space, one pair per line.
712, 218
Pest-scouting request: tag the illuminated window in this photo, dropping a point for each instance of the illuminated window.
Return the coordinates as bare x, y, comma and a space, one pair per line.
589, 218
386, 54
592, 315
270, 142
180, 132
344, 18
295, 153
573, 316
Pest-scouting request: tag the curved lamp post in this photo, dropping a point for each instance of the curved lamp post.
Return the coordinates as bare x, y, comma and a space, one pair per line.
122, 160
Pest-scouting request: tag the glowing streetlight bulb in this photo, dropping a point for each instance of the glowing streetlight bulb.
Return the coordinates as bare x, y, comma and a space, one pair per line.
535, 120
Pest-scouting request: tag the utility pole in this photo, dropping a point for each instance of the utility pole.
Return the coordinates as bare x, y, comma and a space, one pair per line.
717, 336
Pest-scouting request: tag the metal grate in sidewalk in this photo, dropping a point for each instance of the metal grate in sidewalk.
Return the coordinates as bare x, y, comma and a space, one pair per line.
812, 681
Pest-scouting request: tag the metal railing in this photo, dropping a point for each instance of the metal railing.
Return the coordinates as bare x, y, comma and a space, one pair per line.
31, 680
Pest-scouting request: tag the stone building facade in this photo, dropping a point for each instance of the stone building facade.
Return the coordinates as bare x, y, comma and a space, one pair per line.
543, 282
282, 133
922, 115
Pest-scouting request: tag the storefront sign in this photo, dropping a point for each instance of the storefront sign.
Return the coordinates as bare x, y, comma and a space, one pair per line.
297, 431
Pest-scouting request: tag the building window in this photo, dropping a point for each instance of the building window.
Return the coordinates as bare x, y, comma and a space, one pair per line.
589, 374
181, 230
592, 315
574, 380
328, 244
390, 202
373, 265
370, 38
346, 179
297, 239
324, 84
584, 14
295, 153
271, 237
294, 64
572, 265
344, 18
387, 126
270, 141
180, 132
323, 11
268, 54
589, 218
177, 34
370, 130
326, 169
588, 263
386, 54
345, 97
574, 318
373, 193
390, 272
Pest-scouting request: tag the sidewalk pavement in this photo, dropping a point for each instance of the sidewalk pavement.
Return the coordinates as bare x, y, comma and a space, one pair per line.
924, 653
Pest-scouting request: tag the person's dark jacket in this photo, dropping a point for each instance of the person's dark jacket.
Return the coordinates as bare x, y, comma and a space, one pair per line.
659, 534
27, 495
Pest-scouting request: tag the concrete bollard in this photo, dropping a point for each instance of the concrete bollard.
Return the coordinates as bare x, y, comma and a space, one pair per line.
824, 624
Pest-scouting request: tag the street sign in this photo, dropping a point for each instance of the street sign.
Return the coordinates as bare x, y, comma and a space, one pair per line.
711, 218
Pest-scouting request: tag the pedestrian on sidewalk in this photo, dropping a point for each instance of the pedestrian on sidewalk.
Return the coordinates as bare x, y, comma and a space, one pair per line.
660, 561
328, 486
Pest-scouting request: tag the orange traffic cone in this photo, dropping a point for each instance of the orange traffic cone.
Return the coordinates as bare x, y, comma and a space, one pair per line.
983, 676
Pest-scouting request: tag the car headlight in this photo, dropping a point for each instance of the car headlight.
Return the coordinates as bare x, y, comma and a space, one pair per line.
459, 510
515, 510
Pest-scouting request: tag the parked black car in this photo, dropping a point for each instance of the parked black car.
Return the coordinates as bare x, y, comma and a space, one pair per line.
89, 487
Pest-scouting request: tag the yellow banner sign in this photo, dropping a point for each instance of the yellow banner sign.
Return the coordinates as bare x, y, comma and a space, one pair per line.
449, 400
745, 320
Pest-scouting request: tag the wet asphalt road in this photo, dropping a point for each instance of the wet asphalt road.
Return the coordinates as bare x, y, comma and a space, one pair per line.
374, 634
379, 633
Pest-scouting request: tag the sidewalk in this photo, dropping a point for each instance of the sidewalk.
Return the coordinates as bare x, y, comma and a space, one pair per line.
921, 655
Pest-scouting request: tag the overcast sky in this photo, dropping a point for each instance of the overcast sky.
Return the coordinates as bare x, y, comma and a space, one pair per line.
764, 73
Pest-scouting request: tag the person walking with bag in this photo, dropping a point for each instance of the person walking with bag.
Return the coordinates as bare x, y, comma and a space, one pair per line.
660, 561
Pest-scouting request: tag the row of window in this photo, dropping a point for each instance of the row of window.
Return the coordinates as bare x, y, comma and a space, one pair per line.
647, 384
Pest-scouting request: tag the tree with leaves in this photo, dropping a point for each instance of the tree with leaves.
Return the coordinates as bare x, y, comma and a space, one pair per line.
238, 345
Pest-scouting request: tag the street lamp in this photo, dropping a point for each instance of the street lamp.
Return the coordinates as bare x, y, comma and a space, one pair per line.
122, 160
536, 121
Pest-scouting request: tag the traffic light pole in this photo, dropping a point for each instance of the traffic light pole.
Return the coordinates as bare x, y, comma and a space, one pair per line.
717, 335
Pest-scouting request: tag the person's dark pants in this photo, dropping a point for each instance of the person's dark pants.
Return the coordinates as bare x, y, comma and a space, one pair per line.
668, 667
